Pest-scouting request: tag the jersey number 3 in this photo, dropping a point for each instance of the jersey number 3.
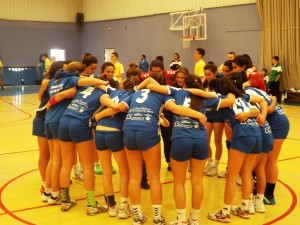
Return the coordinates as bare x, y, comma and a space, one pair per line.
144, 96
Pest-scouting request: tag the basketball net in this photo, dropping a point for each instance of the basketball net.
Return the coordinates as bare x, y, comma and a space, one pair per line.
186, 41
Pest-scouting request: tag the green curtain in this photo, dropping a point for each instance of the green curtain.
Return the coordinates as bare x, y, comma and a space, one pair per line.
280, 35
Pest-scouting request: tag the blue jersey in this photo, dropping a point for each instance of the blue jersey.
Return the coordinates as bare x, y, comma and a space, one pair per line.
239, 129
144, 108
85, 103
183, 126
117, 120
54, 114
277, 116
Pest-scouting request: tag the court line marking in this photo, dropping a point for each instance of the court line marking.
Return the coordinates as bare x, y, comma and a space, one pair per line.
11, 104
11, 213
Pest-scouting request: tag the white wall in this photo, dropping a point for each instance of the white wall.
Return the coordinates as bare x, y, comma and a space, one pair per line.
100, 10
40, 10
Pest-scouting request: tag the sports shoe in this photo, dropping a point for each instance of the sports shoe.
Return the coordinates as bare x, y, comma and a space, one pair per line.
259, 205
94, 210
176, 222
124, 213
66, 206
160, 221
45, 196
237, 211
269, 200
208, 166
213, 171
222, 174
138, 221
54, 200
78, 175
219, 216
114, 170
193, 221
239, 181
113, 211
251, 207
97, 168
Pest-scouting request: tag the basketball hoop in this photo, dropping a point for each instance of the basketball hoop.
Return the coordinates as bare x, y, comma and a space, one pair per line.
186, 41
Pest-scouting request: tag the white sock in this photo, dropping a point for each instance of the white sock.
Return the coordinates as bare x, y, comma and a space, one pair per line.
245, 204
226, 209
44, 184
47, 190
137, 211
195, 214
181, 215
124, 203
261, 197
55, 194
157, 211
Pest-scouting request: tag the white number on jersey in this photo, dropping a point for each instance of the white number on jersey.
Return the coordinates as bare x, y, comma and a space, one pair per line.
143, 97
87, 92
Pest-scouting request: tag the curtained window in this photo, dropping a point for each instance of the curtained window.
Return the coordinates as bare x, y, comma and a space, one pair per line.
280, 35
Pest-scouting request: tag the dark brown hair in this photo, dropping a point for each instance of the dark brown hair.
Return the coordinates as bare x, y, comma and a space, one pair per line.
193, 81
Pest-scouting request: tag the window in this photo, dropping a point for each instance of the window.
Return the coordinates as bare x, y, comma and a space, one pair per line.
58, 55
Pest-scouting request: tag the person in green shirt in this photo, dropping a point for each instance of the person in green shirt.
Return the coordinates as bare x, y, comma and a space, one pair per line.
275, 75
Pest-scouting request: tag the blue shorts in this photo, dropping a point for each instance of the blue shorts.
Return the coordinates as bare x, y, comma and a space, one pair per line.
74, 130
183, 149
51, 130
38, 127
280, 126
112, 140
213, 116
251, 144
267, 138
140, 140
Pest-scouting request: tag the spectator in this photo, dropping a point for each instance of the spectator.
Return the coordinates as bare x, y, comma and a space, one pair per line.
144, 65
176, 63
119, 69
47, 63
276, 73
199, 66
1, 76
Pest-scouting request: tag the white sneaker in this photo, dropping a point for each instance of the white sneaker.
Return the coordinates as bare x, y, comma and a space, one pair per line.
239, 181
193, 222
138, 221
160, 221
259, 205
45, 196
208, 166
124, 213
78, 175
176, 222
251, 208
113, 211
213, 171
222, 174
53, 201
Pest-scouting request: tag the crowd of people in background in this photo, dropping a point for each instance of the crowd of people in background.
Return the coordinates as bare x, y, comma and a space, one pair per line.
85, 118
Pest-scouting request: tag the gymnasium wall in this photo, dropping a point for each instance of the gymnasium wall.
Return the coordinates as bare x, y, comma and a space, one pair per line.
21, 42
233, 28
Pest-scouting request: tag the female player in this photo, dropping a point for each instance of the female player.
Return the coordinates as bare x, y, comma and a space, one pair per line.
142, 141
246, 144
109, 140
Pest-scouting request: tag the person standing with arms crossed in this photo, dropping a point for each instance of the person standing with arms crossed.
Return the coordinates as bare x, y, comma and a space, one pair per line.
276, 73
